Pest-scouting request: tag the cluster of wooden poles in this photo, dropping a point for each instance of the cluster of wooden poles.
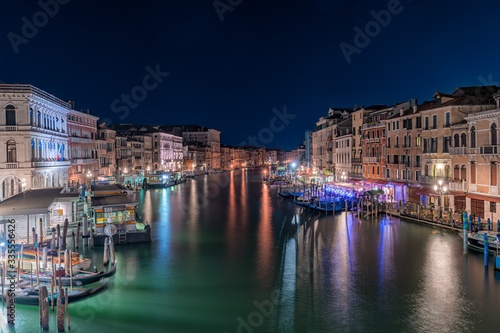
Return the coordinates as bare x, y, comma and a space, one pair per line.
58, 242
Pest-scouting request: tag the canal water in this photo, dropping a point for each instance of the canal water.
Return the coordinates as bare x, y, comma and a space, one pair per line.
229, 255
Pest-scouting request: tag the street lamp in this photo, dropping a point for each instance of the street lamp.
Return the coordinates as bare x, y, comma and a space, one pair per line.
440, 189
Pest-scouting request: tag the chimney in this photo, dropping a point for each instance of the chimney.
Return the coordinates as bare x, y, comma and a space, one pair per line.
401, 112
88, 111
414, 104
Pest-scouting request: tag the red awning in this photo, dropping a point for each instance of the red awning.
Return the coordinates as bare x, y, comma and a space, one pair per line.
427, 191
370, 181
483, 197
458, 194
382, 182
397, 184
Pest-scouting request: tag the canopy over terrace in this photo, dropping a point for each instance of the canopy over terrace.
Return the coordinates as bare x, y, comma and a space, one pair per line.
27, 207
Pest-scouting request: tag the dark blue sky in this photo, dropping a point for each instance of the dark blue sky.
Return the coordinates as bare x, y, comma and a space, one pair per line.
231, 74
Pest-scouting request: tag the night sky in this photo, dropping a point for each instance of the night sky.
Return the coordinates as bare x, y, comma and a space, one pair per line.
230, 74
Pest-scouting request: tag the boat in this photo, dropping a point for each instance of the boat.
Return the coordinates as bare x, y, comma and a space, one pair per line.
302, 201
284, 193
475, 240
78, 279
27, 296
29, 260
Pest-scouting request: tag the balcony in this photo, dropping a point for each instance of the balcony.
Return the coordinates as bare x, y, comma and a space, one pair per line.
45, 164
373, 140
488, 150
371, 159
459, 150
356, 160
374, 124
11, 166
431, 180
458, 186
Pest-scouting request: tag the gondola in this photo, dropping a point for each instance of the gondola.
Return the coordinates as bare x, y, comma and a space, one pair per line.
78, 279
30, 296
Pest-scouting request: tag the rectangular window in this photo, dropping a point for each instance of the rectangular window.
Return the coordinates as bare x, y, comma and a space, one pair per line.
378, 171
403, 174
447, 120
389, 127
409, 123
354, 142
404, 123
417, 161
418, 122
417, 174
388, 173
426, 124
434, 144
383, 133
396, 159
397, 124
403, 159
388, 159
446, 144
393, 126
408, 174
434, 121
493, 207
426, 146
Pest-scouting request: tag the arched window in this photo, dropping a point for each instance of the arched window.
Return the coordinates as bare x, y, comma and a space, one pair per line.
31, 117
11, 151
397, 142
426, 170
39, 119
10, 115
456, 171
463, 141
409, 141
389, 142
417, 140
33, 152
373, 151
493, 131
378, 152
473, 137
40, 152
456, 140
404, 141
463, 173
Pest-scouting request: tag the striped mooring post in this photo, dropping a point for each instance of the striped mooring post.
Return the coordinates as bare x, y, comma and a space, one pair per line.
465, 232
486, 253
489, 224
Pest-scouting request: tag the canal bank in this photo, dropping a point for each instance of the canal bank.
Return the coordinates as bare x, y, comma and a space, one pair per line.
241, 249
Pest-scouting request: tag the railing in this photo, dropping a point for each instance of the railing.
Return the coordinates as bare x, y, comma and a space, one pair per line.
11, 166
29, 89
431, 179
371, 159
459, 150
374, 124
50, 164
458, 186
488, 150
373, 140
356, 160
10, 128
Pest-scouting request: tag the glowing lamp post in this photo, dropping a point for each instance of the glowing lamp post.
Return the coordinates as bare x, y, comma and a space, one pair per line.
440, 189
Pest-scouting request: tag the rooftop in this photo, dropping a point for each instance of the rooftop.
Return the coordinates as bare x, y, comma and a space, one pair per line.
33, 201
